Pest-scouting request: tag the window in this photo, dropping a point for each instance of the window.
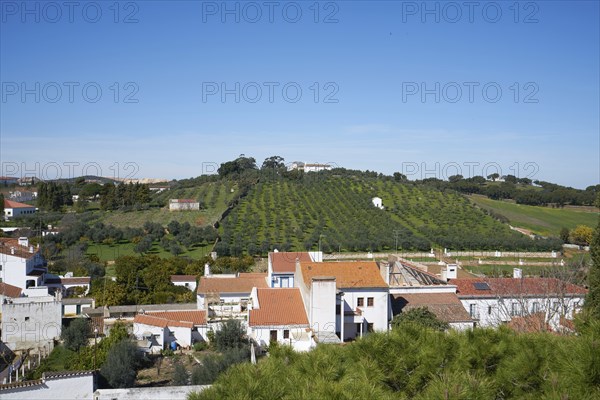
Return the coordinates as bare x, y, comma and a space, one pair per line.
286, 333
360, 302
536, 307
370, 327
473, 310
370, 301
490, 310
26, 318
515, 309
358, 329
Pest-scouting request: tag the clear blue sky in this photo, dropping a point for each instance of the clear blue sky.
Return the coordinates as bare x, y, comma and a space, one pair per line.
375, 61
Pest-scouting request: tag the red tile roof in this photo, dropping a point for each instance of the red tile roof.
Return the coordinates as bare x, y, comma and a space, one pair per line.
530, 323
285, 262
241, 284
15, 204
9, 290
516, 287
446, 306
78, 280
19, 251
359, 274
183, 278
278, 307
185, 319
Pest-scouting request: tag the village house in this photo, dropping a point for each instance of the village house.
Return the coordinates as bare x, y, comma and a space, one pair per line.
9, 291
21, 195
184, 205
8, 180
227, 294
21, 264
494, 301
278, 315
187, 281
343, 299
13, 209
69, 285
31, 322
155, 330
281, 266
412, 287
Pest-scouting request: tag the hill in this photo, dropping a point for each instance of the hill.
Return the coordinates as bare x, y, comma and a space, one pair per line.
544, 221
297, 214
214, 198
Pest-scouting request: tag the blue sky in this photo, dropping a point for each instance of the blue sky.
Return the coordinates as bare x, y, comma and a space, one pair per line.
402, 86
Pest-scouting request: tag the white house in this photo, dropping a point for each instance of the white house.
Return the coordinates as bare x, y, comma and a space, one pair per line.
184, 205
316, 167
352, 292
14, 209
187, 281
21, 264
69, 285
494, 301
22, 195
31, 322
278, 315
160, 329
377, 202
281, 266
230, 293
411, 286
78, 385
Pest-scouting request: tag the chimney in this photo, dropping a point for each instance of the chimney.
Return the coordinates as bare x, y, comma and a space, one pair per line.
451, 271
12, 251
23, 241
206, 269
31, 249
297, 263
517, 273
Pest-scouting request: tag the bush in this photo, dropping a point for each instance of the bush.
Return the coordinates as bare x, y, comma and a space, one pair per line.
230, 336
121, 363
200, 346
75, 335
421, 317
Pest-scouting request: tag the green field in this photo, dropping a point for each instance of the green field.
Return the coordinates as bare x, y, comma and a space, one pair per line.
216, 196
545, 221
337, 211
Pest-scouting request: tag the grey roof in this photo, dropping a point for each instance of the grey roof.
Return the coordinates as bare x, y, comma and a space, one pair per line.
404, 273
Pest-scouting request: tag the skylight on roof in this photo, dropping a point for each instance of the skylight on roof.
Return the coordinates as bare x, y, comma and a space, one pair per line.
481, 286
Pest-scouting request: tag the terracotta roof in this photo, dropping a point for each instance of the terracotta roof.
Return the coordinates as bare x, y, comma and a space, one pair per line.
514, 287
9, 290
359, 274
285, 262
240, 284
197, 317
76, 280
183, 278
185, 319
20, 251
278, 307
446, 306
15, 204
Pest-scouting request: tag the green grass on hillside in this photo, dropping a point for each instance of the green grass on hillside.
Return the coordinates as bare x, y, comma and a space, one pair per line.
295, 215
216, 197
541, 220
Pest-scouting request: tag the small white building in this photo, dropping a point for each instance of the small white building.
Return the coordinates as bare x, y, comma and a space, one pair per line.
278, 315
31, 322
21, 195
377, 202
187, 281
316, 167
494, 301
184, 205
69, 285
21, 264
13, 209
346, 299
77, 385
160, 329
